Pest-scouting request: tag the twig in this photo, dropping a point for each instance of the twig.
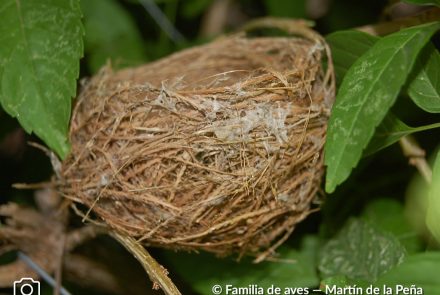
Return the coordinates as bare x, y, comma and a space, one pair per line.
216, 18
33, 186
162, 20
59, 267
416, 156
386, 28
155, 271
41, 272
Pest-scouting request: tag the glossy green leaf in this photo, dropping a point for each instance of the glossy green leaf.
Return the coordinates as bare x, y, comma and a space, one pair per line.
110, 34
433, 214
421, 270
388, 216
360, 251
298, 269
390, 131
41, 44
424, 2
424, 88
347, 47
368, 90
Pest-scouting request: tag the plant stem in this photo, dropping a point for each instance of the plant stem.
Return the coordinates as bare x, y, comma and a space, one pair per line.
156, 272
416, 156
386, 28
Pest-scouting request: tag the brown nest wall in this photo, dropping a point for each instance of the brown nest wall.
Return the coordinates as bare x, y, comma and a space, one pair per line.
218, 147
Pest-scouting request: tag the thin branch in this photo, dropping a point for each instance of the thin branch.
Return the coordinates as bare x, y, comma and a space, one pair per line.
155, 271
162, 20
41, 272
386, 28
416, 156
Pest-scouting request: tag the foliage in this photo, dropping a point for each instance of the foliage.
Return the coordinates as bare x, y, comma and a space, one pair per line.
433, 214
420, 270
424, 89
390, 131
347, 47
387, 215
111, 34
296, 268
296, 9
386, 84
360, 251
368, 91
39, 60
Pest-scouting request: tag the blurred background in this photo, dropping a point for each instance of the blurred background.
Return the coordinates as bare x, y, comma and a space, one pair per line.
132, 32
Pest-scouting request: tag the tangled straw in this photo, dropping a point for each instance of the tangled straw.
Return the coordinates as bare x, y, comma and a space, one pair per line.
217, 148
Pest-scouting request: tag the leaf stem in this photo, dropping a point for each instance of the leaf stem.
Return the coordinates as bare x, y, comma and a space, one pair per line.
416, 155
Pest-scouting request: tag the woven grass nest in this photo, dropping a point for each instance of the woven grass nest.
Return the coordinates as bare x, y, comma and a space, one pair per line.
215, 148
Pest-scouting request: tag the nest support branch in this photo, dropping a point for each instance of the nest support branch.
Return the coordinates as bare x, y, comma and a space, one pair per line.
157, 273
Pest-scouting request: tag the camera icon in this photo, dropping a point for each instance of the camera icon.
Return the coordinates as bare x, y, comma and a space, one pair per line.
27, 286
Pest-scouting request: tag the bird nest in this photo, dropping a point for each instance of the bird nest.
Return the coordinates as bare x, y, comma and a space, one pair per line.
216, 148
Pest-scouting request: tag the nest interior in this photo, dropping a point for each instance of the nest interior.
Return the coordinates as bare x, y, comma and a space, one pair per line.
217, 147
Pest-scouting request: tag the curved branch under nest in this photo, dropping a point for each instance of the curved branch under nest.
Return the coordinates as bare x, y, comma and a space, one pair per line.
217, 148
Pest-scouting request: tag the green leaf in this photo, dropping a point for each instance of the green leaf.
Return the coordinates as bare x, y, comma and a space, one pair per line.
360, 251
388, 216
424, 2
340, 281
368, 90
193, 8
433, 214
110, 34
424, 88
327, 284
347, 47
390, 131
417, 199
420, 270
286, 8
299, 269
41, 44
